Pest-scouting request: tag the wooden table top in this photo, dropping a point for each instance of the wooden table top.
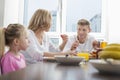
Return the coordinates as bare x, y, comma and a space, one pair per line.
55, 71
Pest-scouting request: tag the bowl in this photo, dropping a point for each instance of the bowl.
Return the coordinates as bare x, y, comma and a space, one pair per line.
105, 67
68, 60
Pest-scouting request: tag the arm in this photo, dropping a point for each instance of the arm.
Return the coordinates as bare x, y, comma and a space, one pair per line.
49, 54
71, 44
52, 48
75, 45
64, 39
55, 51
34, 52
65, 43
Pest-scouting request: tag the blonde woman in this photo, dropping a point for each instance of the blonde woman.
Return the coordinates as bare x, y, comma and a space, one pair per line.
40, 45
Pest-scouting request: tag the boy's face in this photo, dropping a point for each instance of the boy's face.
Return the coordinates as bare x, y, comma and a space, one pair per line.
82, 31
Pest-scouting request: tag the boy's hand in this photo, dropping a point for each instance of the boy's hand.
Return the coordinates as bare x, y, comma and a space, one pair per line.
75, 45
96, 45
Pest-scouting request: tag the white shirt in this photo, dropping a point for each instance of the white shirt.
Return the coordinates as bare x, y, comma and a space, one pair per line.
35, 51
87, 46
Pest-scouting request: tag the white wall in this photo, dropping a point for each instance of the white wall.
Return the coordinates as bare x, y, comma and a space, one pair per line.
1, 12
11, 12
114, 21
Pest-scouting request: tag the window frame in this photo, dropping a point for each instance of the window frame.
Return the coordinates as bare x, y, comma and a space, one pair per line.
60, 29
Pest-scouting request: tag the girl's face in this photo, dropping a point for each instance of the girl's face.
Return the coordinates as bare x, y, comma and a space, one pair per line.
82, 31
24, 42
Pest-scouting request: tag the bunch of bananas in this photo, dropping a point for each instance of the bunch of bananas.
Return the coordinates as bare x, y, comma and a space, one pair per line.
110, 51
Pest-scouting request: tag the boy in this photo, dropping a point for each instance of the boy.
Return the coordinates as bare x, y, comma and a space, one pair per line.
82, 42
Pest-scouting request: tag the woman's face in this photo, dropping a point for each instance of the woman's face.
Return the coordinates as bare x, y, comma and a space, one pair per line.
48, 27
82, 31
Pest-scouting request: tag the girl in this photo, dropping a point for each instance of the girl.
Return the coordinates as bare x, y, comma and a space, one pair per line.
15, 37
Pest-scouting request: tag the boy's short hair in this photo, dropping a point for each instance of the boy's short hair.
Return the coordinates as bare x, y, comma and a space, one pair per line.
83, 22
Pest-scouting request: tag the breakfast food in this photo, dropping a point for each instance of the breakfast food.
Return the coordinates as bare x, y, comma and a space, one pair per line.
112, 48
110, 51
113, 44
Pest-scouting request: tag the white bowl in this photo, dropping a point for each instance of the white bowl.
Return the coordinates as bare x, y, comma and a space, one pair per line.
69, 59
105, 67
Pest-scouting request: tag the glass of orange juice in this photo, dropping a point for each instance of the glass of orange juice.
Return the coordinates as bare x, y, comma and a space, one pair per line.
83, 54
103, 44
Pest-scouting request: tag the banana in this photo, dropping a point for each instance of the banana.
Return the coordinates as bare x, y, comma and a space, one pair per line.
113, 44
111, 48
109, 54
110, 51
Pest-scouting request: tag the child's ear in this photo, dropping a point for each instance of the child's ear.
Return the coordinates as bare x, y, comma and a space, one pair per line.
16, 41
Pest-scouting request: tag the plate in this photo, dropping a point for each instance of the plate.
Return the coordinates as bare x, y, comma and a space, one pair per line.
69, 60
106, 67
51, 59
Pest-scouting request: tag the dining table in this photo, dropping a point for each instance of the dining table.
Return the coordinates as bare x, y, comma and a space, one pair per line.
52, 70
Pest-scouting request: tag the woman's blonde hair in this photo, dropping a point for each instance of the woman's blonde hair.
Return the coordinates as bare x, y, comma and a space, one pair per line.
2, 42
41, 19
7, 35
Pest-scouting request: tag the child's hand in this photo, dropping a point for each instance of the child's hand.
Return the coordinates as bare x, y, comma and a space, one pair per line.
75, 45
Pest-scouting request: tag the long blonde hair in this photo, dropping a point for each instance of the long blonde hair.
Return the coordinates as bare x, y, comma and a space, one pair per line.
7, 35
41, 19
2, 41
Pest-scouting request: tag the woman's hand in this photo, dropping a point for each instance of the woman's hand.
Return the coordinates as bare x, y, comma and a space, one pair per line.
64, 38
64, 41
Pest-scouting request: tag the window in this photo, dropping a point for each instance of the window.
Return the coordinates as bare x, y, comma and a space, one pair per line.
32, 5
66, 13
88, 9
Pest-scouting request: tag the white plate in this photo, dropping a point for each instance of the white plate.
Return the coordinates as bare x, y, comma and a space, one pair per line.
105, 67
74, 60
